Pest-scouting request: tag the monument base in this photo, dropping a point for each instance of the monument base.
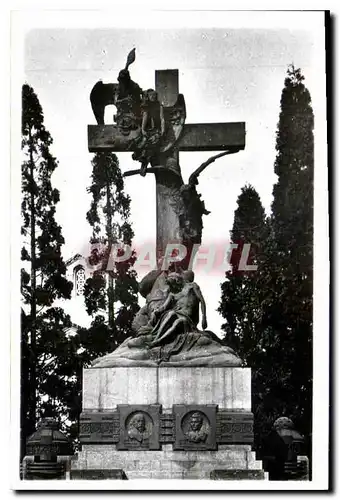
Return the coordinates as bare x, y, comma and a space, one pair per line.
170, 464
166, 423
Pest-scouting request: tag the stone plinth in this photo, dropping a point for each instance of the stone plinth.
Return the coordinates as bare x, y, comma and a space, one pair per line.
64, 460
167, 464
105, 388
167, 397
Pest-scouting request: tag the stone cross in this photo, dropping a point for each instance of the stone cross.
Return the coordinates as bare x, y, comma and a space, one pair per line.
195, 137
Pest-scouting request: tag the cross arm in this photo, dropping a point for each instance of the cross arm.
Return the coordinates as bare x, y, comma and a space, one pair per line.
213, 137
195, 137
109, 138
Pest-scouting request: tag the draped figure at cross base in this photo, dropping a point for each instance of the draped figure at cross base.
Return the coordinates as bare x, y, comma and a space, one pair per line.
165, 330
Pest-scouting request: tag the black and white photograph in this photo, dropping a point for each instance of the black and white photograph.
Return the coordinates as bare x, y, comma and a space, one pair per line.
169, 250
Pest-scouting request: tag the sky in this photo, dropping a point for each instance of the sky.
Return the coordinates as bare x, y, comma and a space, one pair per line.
226, 74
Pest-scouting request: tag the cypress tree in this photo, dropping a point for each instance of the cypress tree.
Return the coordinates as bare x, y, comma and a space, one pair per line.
291, 313
111, 294
241, 296
279, 296
43, 273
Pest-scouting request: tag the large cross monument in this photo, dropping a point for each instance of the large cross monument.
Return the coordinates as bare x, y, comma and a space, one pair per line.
172, 401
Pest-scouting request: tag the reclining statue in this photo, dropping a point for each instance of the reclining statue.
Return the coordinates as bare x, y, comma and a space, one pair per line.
166, 329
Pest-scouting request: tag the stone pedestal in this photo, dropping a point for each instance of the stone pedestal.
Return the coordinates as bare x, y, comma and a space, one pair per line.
168, 400
105, 388
170, 464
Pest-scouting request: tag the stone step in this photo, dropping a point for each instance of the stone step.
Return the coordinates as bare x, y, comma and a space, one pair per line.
166, 460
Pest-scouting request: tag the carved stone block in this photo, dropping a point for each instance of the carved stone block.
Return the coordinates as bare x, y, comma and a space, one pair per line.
92, 474
234, 427
236, 474
99, 427
139, 427
195, 427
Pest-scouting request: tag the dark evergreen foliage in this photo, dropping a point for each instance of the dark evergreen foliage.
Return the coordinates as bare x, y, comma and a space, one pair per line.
269, 312
45, 347
114, 288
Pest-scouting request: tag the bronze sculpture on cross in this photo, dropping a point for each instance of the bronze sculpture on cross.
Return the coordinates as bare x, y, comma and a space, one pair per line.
151, 125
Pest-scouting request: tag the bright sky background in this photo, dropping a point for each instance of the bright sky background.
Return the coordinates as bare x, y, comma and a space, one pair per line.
226, 74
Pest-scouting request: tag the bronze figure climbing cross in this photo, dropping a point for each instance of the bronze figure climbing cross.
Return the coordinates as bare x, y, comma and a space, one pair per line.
195, 137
